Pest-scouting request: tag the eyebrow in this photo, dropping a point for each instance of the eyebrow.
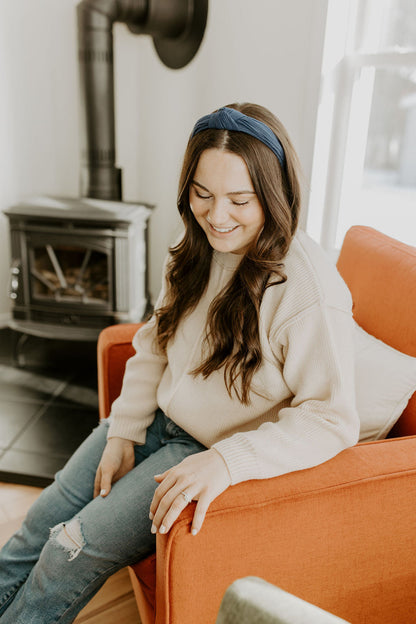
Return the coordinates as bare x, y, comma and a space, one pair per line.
231, 193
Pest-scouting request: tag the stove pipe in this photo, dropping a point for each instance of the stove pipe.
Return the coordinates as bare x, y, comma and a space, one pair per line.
177, 27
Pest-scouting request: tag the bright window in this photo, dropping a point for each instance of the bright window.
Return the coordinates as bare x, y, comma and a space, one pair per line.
365, 154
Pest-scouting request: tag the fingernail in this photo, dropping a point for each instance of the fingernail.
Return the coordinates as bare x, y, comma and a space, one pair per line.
153, 529
151, 516
103, 492
162, 529
194, 531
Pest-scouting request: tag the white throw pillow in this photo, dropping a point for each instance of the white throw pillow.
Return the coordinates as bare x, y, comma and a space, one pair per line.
385, 379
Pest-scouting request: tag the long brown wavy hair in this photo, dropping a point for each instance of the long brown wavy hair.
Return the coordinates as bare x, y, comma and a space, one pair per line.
232, 329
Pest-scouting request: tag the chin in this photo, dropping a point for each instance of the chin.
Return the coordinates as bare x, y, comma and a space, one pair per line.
222, 246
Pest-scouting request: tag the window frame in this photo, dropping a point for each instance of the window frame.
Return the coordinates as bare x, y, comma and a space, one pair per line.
340, 80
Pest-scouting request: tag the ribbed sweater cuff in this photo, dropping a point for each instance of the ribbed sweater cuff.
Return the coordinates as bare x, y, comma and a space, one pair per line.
127, 430
238, 455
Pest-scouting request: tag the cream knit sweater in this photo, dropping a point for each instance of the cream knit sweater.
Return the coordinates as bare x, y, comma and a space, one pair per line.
302, 410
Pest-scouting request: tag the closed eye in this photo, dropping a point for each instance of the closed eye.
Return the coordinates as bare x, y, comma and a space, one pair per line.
240, 203
198, 194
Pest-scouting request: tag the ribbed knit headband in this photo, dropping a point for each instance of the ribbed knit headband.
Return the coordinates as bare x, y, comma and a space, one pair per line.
230, 119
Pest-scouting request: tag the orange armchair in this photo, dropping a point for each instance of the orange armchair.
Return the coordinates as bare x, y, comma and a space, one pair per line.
341, 535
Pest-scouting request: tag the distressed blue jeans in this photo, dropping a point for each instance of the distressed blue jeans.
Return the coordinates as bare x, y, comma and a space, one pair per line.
70, 542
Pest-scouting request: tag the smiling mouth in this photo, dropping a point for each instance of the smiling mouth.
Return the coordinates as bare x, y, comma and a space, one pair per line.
223, 230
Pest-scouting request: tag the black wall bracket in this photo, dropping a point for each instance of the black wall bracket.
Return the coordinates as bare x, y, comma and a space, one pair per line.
177, 28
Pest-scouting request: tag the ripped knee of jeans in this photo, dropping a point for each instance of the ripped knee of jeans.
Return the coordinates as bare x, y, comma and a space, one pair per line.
69, 536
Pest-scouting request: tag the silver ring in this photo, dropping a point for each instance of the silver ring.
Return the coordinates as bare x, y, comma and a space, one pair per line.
187, 498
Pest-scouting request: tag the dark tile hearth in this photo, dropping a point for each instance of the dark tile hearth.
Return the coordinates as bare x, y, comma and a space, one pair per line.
48, 405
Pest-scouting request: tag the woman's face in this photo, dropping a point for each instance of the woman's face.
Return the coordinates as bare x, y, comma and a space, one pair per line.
224, 203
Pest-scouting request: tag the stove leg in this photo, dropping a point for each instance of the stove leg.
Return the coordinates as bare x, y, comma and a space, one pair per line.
19, 359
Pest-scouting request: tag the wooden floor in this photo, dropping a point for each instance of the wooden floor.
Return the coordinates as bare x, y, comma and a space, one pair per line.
114, 602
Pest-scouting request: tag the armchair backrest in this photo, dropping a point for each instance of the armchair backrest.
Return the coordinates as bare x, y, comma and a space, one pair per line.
381, 275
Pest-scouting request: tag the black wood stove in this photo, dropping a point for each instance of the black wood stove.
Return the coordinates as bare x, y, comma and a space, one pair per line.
77, 265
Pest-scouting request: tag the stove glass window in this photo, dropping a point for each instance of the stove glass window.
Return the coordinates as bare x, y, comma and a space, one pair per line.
69, 273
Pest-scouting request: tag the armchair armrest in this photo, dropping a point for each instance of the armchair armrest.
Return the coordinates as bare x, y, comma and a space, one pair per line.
340, 535
113, 350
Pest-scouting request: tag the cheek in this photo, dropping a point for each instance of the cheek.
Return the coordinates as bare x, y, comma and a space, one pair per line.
257, 219
193, 205
197, 208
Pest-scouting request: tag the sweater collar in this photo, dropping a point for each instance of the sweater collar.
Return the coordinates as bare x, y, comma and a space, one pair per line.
228, 261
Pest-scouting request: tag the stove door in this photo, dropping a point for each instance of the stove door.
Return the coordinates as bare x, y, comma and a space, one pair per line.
70, 270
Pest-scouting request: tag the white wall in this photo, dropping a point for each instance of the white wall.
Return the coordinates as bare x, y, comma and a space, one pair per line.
268, 51
38, 108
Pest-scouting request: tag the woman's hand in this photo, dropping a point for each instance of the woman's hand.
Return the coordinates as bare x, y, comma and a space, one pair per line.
116, 461
201, 477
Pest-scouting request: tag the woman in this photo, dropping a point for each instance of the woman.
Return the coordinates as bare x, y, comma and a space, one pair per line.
245, 371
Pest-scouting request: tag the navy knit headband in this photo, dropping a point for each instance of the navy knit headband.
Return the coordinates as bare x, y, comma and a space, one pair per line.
230, 119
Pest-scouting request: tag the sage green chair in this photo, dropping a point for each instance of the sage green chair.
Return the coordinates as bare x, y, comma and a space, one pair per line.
252, 600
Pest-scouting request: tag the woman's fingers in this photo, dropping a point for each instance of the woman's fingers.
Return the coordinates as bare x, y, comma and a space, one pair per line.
159, 477
201, 477
97, 482
107, 479
103, 481
172, 505
117, 459
165, 485
200, 513
168, 503
169, 510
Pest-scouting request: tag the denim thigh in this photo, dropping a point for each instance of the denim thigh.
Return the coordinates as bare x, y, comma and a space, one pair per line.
118, 524
105, 533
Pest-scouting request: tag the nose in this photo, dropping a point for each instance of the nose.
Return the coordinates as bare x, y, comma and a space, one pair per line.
218, 214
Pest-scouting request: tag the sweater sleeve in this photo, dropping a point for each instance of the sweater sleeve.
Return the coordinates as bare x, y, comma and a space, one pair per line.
320, 419
133, 411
